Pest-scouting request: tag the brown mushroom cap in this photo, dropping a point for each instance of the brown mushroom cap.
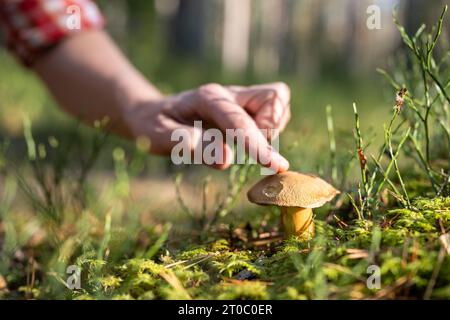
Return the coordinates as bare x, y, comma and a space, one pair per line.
292, 189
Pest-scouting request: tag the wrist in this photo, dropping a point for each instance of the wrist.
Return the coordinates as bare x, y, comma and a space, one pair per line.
136, 99
131, 93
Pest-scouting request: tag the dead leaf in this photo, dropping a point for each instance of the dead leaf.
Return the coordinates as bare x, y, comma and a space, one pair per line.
357, 254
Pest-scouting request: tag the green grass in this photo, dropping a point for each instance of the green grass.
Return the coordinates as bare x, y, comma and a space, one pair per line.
76, 196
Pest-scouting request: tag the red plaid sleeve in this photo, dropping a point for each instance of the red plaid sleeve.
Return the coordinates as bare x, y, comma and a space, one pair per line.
33, 26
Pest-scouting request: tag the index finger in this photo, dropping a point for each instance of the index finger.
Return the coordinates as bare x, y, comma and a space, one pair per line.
221, 109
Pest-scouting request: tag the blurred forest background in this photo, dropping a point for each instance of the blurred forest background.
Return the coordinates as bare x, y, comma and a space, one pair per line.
322, 49
67, 194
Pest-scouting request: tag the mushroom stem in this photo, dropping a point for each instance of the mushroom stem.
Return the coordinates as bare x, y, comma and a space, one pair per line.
297, 222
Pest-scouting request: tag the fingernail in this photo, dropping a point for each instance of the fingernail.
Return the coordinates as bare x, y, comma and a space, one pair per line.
284, 164
281, 163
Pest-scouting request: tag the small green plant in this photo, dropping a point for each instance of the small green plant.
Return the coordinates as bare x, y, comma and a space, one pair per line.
423, 103
47, 193
417, 108
237, 178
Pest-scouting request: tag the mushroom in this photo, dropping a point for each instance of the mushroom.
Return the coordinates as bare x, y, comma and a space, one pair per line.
296, 194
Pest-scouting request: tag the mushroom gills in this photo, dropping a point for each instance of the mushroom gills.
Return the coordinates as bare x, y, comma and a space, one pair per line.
298, 222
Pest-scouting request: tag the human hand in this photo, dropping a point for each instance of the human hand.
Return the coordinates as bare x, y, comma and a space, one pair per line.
251, 108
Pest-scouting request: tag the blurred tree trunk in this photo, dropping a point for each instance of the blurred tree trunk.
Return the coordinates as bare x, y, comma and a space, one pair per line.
419, 11
349, 52
188, 28
313, 42
289, 47
117, 12
236, 34
428, 14
267, 36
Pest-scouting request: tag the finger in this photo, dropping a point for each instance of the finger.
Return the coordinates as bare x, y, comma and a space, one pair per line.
189, 144
220, 108
167, 134
245, 96
267, 103
285, 118
227, 158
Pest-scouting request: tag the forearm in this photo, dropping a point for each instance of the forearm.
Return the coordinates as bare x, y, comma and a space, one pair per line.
90, 78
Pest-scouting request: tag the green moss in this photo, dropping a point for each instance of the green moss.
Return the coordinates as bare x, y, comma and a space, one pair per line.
111, 282
220, 245
404, 243
193, 253
141, 266
245, 290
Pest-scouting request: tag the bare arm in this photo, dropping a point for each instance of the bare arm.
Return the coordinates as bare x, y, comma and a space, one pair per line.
90, 78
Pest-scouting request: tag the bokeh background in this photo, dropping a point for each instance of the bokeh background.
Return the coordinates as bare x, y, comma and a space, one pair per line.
322, 49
